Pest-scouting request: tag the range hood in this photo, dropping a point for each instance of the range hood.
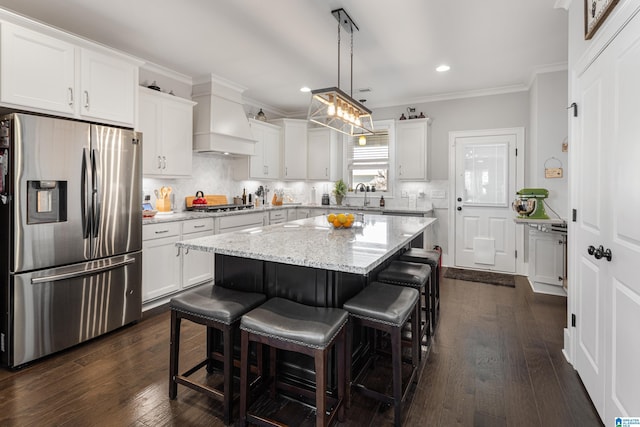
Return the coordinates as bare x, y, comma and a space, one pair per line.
220, 123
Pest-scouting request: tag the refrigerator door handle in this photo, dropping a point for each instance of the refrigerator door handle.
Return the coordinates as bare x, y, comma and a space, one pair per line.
84, 196
97, 177
82, 272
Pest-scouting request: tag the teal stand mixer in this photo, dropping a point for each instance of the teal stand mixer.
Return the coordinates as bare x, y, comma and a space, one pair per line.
530, 203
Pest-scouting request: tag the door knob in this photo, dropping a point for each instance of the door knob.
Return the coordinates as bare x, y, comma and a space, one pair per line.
459, 208
606, 254
591, 249
599, 252
459, 199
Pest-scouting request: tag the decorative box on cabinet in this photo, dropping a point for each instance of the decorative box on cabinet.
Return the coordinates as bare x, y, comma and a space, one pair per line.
324, 154
411, 149
293, 143
166, 123
265, 163
38, 72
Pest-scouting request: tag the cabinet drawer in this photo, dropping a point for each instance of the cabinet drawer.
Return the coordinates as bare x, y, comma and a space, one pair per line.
159, 231
197, 225
243, 220
277, 215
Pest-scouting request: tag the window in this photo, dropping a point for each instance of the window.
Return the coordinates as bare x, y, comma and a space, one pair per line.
369, 164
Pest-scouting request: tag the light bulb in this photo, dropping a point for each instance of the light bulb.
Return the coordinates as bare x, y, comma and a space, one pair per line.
340, 112
331, 110
362, 140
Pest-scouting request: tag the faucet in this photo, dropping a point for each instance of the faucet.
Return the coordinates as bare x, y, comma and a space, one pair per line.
365, 189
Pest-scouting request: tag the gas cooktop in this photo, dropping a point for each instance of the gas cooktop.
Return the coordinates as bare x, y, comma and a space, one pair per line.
219, 208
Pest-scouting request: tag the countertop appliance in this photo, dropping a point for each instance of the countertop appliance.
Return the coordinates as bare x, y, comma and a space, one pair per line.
530, 203
70, 233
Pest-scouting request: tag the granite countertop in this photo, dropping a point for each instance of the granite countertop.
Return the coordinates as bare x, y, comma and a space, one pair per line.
186, 215
312, 242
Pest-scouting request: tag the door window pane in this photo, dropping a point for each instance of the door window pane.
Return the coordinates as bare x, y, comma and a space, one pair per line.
486, 168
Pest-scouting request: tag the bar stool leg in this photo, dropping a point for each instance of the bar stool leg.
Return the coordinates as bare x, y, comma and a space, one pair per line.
396, 360
173, 354
416, 351
272, 370
348, 361
321, 386
228, 371
210, 346
244, 377
341, 358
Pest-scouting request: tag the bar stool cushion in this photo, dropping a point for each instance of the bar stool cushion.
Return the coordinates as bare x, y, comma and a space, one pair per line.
421, 256
406, 273
216, 303
300, 324
384, 303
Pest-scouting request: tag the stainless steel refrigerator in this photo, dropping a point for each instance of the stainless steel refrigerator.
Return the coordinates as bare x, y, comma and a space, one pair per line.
70, 233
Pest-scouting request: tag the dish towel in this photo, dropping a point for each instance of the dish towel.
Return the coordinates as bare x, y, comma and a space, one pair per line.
484, 250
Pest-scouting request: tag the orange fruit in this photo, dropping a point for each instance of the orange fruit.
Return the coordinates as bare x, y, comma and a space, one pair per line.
342, 218
337, 223
331, 218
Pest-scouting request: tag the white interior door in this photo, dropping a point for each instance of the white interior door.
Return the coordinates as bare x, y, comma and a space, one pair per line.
606, 292
589, 230
485, 185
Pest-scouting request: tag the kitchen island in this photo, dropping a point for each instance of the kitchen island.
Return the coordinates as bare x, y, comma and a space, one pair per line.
310, 262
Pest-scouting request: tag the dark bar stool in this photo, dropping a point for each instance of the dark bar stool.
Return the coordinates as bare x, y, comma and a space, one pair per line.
218, 308
386, 308
432, 258
287, 325
417, 276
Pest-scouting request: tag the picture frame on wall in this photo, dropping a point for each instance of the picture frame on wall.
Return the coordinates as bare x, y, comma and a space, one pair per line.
595, 12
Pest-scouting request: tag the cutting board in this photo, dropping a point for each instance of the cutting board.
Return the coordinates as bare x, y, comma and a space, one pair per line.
212, 200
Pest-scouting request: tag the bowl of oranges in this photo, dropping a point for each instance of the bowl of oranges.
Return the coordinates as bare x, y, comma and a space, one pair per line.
341, 220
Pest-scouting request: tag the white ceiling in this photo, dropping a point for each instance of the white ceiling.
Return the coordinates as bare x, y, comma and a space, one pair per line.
274, 47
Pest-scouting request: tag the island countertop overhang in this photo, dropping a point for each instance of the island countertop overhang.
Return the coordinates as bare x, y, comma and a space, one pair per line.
313, 242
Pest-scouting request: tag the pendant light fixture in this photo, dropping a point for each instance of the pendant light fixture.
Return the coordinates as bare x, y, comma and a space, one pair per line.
332, 107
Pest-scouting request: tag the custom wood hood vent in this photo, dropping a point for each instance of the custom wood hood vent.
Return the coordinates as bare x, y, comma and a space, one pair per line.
220, 123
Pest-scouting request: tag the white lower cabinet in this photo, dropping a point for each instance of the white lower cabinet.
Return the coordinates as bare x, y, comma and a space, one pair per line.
165, 268
197, 266
546, 262
278, 217
161, 263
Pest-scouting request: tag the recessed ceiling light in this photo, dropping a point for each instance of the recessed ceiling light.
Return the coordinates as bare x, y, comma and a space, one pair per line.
442, 68
305, 89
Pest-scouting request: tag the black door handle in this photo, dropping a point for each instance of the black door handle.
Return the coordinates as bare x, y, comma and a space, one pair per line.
607, 254
459, 208
459, 199
591, 249
599, 252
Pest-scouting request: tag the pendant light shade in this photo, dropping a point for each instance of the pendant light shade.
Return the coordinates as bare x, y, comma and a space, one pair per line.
334, 108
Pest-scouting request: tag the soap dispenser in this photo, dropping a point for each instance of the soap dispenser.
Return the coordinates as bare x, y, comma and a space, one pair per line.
382, 201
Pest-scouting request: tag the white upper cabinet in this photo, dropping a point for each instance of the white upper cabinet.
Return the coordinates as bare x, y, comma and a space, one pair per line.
293, 140
108, 87
166, 123
36, 70
53, 75
324, 154
411, 149
265, 163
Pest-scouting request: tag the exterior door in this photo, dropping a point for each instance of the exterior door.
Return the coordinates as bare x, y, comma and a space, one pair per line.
485, 184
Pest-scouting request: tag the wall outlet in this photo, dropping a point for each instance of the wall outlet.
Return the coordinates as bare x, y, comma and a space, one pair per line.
438, 194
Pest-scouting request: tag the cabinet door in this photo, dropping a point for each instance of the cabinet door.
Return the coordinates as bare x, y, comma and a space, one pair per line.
271, 153
161, 265
36, 70
197, 266
294, 149
177, 137
318, 154
546, 262
256, 162
108, 86
149, 119
411, 150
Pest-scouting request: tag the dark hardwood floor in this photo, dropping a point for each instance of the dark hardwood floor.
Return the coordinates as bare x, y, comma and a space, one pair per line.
495, 361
